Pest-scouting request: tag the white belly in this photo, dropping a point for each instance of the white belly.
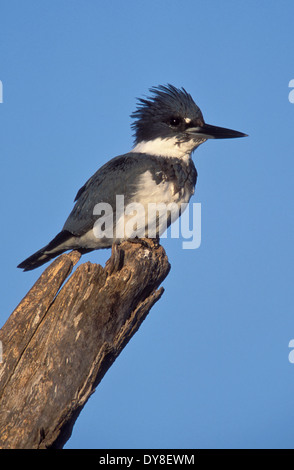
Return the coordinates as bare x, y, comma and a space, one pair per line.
149, 211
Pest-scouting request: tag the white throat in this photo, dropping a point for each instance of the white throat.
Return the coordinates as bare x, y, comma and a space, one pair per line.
167, 147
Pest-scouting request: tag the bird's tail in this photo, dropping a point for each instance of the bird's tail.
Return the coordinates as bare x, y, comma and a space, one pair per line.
57, 246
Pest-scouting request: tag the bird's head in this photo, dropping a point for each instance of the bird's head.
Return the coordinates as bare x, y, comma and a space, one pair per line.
171, 119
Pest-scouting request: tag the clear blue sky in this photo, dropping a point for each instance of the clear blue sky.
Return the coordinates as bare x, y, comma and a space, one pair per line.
209, 367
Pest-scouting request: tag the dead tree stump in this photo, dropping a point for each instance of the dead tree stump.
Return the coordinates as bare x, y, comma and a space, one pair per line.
60, 341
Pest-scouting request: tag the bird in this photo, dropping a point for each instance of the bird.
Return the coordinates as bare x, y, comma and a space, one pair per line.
168, 126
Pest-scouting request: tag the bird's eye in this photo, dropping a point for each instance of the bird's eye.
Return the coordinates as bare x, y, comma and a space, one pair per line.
174, 121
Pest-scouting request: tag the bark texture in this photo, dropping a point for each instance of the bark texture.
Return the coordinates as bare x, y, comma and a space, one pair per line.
61, 339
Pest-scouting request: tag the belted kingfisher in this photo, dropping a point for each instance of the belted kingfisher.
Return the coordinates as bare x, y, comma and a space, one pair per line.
168, 127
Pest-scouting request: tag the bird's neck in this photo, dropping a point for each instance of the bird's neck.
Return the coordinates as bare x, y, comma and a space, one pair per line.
169, 148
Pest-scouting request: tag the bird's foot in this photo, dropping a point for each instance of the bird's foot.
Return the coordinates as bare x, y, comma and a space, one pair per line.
145, 242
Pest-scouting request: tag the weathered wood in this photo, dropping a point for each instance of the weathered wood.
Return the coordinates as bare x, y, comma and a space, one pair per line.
57, 346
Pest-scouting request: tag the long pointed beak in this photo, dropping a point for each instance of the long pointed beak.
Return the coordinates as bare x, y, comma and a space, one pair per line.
214, 132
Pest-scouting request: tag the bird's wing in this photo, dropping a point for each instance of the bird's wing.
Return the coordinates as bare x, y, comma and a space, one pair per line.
117, 177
